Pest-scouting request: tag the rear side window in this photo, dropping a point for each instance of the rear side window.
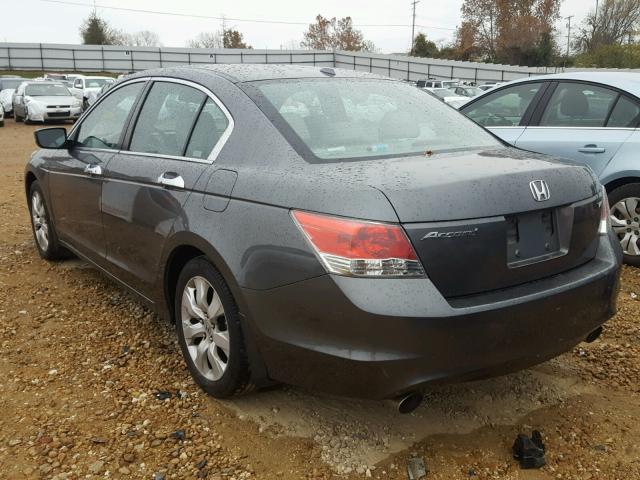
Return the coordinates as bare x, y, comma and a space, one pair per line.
578, 105
104, 124
166, 118
626, 114
211, 125
504, 108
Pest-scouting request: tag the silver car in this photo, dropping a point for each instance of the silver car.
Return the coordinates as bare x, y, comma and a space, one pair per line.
42, 101
588, 117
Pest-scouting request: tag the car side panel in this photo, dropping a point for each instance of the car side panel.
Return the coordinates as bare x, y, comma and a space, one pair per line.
591, 146
626, 162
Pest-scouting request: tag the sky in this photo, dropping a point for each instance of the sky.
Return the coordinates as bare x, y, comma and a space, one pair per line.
44, 21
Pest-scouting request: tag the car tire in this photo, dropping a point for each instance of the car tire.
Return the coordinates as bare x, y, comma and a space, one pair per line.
44, 233
626, 224
211, 340
85, 104
2, 123
17, 118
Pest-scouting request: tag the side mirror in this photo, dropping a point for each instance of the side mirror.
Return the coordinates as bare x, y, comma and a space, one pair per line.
55, 137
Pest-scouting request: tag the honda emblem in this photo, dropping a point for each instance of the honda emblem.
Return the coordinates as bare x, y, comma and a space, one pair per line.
539, 190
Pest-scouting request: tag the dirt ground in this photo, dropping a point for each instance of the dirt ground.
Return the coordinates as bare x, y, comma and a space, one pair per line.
81, 363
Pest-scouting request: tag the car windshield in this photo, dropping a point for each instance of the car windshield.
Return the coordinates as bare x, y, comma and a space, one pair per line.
472, 91
10, 83
46, 90
347, 118
444, 92
96, 82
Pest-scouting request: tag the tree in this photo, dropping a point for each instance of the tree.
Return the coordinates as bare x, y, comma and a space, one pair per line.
611, 56
346, 37
97, 31
509, 31
206, 40
319, 36
422, 47
233, 39
143, 38
330, 34
613, 24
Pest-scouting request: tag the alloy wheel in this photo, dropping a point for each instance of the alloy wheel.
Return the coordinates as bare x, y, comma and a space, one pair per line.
40, 222
205, 328
625, 219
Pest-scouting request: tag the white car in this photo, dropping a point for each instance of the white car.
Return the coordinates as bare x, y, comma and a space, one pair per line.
83, 86
449, 96
37, 101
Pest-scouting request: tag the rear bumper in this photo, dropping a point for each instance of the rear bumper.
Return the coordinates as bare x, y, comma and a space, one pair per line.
378, 338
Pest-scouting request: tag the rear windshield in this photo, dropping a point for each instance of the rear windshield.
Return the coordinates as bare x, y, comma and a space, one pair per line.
347, 119
46, 90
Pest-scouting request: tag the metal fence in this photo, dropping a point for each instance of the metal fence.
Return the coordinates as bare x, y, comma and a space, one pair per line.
48, 57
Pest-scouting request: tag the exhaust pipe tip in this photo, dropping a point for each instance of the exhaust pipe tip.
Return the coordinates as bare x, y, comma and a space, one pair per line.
593, 336
409, 402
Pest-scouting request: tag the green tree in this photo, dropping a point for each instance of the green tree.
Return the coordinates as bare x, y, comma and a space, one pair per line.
611, 56
97, 31
233, 39
423, 47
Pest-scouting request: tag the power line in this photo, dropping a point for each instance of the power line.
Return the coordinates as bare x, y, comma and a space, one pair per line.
240, 20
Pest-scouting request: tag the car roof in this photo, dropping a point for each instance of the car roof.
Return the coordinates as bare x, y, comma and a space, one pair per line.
627, 81
239, 73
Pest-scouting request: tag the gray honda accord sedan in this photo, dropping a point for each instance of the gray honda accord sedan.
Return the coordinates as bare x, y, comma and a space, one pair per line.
326, 228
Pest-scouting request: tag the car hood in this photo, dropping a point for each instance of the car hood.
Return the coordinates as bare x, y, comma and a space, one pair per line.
55, 100
472, 184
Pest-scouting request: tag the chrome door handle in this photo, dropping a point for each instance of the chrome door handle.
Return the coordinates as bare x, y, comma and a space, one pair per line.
93, 169
171, 179
592, 149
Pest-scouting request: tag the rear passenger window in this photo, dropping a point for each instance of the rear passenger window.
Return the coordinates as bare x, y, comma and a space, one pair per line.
166, 118
626, 114
578, 105
208, 130
504, 108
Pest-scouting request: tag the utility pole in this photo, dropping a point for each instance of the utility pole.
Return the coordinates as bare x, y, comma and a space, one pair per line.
413, 25
568, 39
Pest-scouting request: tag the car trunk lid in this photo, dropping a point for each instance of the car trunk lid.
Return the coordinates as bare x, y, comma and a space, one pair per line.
476, 225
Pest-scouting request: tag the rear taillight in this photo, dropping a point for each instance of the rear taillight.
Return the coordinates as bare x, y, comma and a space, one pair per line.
360, 249
605, 214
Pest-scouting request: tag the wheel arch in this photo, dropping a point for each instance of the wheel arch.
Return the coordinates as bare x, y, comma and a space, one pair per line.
29, 178
613, 183
183, 247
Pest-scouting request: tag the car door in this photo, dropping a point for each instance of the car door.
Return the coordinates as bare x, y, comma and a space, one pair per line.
75, 180
578, 122
506, 111
18, 101
147, 185
78, 88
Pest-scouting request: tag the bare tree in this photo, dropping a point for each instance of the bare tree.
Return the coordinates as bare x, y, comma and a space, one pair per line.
206, 40
143, 38
612, 24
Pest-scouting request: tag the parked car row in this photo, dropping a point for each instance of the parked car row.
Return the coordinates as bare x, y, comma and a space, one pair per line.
51, 97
